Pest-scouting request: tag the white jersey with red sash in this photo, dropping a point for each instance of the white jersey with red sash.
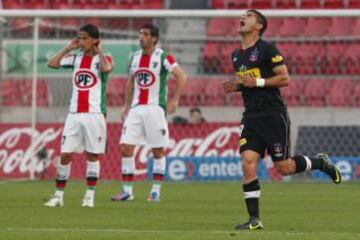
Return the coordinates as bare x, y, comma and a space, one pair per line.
150, 73
89, 83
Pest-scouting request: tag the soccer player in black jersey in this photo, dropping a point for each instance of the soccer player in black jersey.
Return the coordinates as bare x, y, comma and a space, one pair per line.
265, 125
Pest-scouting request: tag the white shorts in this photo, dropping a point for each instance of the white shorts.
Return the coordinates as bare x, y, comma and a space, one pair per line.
146, 124
84, 131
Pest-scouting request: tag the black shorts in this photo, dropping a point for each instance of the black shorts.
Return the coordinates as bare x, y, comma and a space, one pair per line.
271, 133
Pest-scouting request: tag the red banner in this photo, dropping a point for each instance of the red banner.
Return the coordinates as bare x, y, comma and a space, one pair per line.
22, 149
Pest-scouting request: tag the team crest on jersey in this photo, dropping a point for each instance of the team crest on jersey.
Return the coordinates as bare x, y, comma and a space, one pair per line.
254, 55
144, 78
85, 79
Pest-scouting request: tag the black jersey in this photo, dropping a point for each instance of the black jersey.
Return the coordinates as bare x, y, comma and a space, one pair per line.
258, 61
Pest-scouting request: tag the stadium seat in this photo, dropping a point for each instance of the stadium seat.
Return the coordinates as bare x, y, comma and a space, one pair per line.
42, 92
293, 94
219, 26
316, 92
357, 95
341, 26
333, 4
260, 4
211, 59
286, 4
193, 93
218, 4
292, 27
351, 59
341, 93
235, 99
10, 92
214, 94
310, 4
353, 3
116, 92
316, 27
274, 24
308, 58
235, 4
225, 57
356, 27
332, 63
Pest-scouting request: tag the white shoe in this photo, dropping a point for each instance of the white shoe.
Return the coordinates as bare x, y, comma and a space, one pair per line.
54, 201
88, 202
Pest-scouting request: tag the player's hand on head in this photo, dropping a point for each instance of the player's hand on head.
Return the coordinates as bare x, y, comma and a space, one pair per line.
97, 47
73, 44
249, 81
229, 86
171, 106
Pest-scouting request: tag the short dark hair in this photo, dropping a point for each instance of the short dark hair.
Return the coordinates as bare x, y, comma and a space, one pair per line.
90, 29
154, 31
195, 109
261, 19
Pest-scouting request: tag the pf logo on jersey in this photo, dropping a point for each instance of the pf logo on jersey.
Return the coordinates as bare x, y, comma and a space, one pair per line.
85, 79
144, 78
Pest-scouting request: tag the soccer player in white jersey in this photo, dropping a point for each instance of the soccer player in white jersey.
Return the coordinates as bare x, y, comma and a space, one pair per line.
85, 126
145, 110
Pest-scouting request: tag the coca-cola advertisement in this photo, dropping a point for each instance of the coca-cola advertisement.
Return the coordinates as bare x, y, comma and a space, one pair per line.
23, 150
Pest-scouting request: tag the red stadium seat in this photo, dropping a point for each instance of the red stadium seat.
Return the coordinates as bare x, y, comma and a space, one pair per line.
357, 95
287, 4
116, 92
333, 4
288, 50
274, 24
293, 94
211, 59
351, 59
225, 56
356, 27
292, 27
341, 93
214, 94
219, 26
316, 91
235, 4
332, 63
218, 4
341, 26
310, 4
235, 99
260, 4
308, 58
354, 4
317, 27
193, 93
10, 92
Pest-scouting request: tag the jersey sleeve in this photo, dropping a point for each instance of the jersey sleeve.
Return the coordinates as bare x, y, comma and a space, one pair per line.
275, 58
67, 61
170, 62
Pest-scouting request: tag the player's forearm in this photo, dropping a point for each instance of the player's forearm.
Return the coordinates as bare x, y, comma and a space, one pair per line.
54, 61
105, 65
281, 80
129, 94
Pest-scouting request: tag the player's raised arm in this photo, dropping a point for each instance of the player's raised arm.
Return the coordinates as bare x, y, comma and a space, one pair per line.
106, 65
54, 61
181, 79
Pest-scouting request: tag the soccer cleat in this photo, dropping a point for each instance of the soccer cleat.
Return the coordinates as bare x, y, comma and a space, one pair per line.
123, 196
54, 201
154, 197
329, 168
252, 224
88, 202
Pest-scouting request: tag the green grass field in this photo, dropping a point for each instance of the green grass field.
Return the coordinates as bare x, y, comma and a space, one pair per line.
187, 211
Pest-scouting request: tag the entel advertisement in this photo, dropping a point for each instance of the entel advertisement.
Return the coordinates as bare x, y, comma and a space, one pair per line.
201, 152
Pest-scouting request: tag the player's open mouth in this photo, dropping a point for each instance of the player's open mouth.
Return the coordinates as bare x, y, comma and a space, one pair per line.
242, 23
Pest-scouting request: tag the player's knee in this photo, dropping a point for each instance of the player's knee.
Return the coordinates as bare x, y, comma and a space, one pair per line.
65, 158
158, 152
126, 150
